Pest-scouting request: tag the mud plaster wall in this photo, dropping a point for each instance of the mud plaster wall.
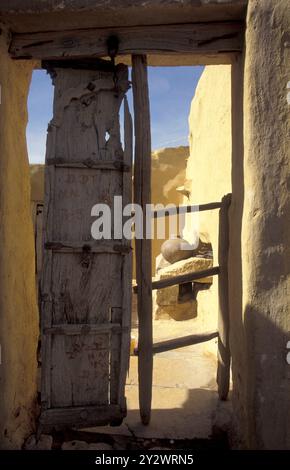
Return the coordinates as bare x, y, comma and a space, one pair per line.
19, 316
208, 172
259, 270
168, 173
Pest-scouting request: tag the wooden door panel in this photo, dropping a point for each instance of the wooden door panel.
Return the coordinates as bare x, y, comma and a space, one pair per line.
85, 367
75, 194
87, 109
85, 287
86, 283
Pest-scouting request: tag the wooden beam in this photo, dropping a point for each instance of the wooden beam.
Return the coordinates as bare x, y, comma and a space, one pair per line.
142, 196
195, 38
182, 279
177, 343
224, 354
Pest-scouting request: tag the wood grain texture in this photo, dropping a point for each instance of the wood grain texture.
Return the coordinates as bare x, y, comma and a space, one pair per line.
78, 416
209, 38
127, 260
142, 196
82, 282
224, 354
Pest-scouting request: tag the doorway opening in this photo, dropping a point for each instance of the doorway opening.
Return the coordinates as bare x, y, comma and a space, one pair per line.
190, 165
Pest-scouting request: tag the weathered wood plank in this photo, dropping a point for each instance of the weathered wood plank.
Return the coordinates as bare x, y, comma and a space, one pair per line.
142, 196
79, 416
182, 342
182, 279
85, 287
46, 275
224, 354
82, 280
196, 38
115, 356
80, 370
127, 260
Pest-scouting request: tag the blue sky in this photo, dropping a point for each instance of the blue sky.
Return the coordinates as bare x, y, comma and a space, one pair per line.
171, 92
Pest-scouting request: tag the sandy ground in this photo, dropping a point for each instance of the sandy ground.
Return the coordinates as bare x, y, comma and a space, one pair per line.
184, 389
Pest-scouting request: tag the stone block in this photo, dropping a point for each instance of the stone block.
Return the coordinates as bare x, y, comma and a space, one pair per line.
186, 266
178, 312
167, 296
44, 442
75, 445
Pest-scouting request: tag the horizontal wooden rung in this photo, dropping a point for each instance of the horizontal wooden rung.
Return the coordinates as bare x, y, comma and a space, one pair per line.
92, 164
98, 246
84, 329
183, 278
177, 343
186, 209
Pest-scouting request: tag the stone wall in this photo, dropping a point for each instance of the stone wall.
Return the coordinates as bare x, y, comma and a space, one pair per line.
19, 315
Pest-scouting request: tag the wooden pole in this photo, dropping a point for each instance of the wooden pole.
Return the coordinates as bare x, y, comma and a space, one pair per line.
224, 355
142, 196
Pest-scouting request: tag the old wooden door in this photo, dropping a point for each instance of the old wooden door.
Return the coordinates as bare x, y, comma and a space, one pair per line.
86, 283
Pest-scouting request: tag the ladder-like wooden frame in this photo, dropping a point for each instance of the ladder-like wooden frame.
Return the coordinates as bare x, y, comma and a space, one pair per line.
222, 332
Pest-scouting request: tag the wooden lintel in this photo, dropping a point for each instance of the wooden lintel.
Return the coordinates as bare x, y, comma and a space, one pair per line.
212, 38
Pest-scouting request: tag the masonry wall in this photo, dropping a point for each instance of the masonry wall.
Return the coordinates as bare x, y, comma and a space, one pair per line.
18, 309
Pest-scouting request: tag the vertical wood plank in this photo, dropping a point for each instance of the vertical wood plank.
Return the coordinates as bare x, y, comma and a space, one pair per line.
142, 196
46, 273
127, 260
224, 355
